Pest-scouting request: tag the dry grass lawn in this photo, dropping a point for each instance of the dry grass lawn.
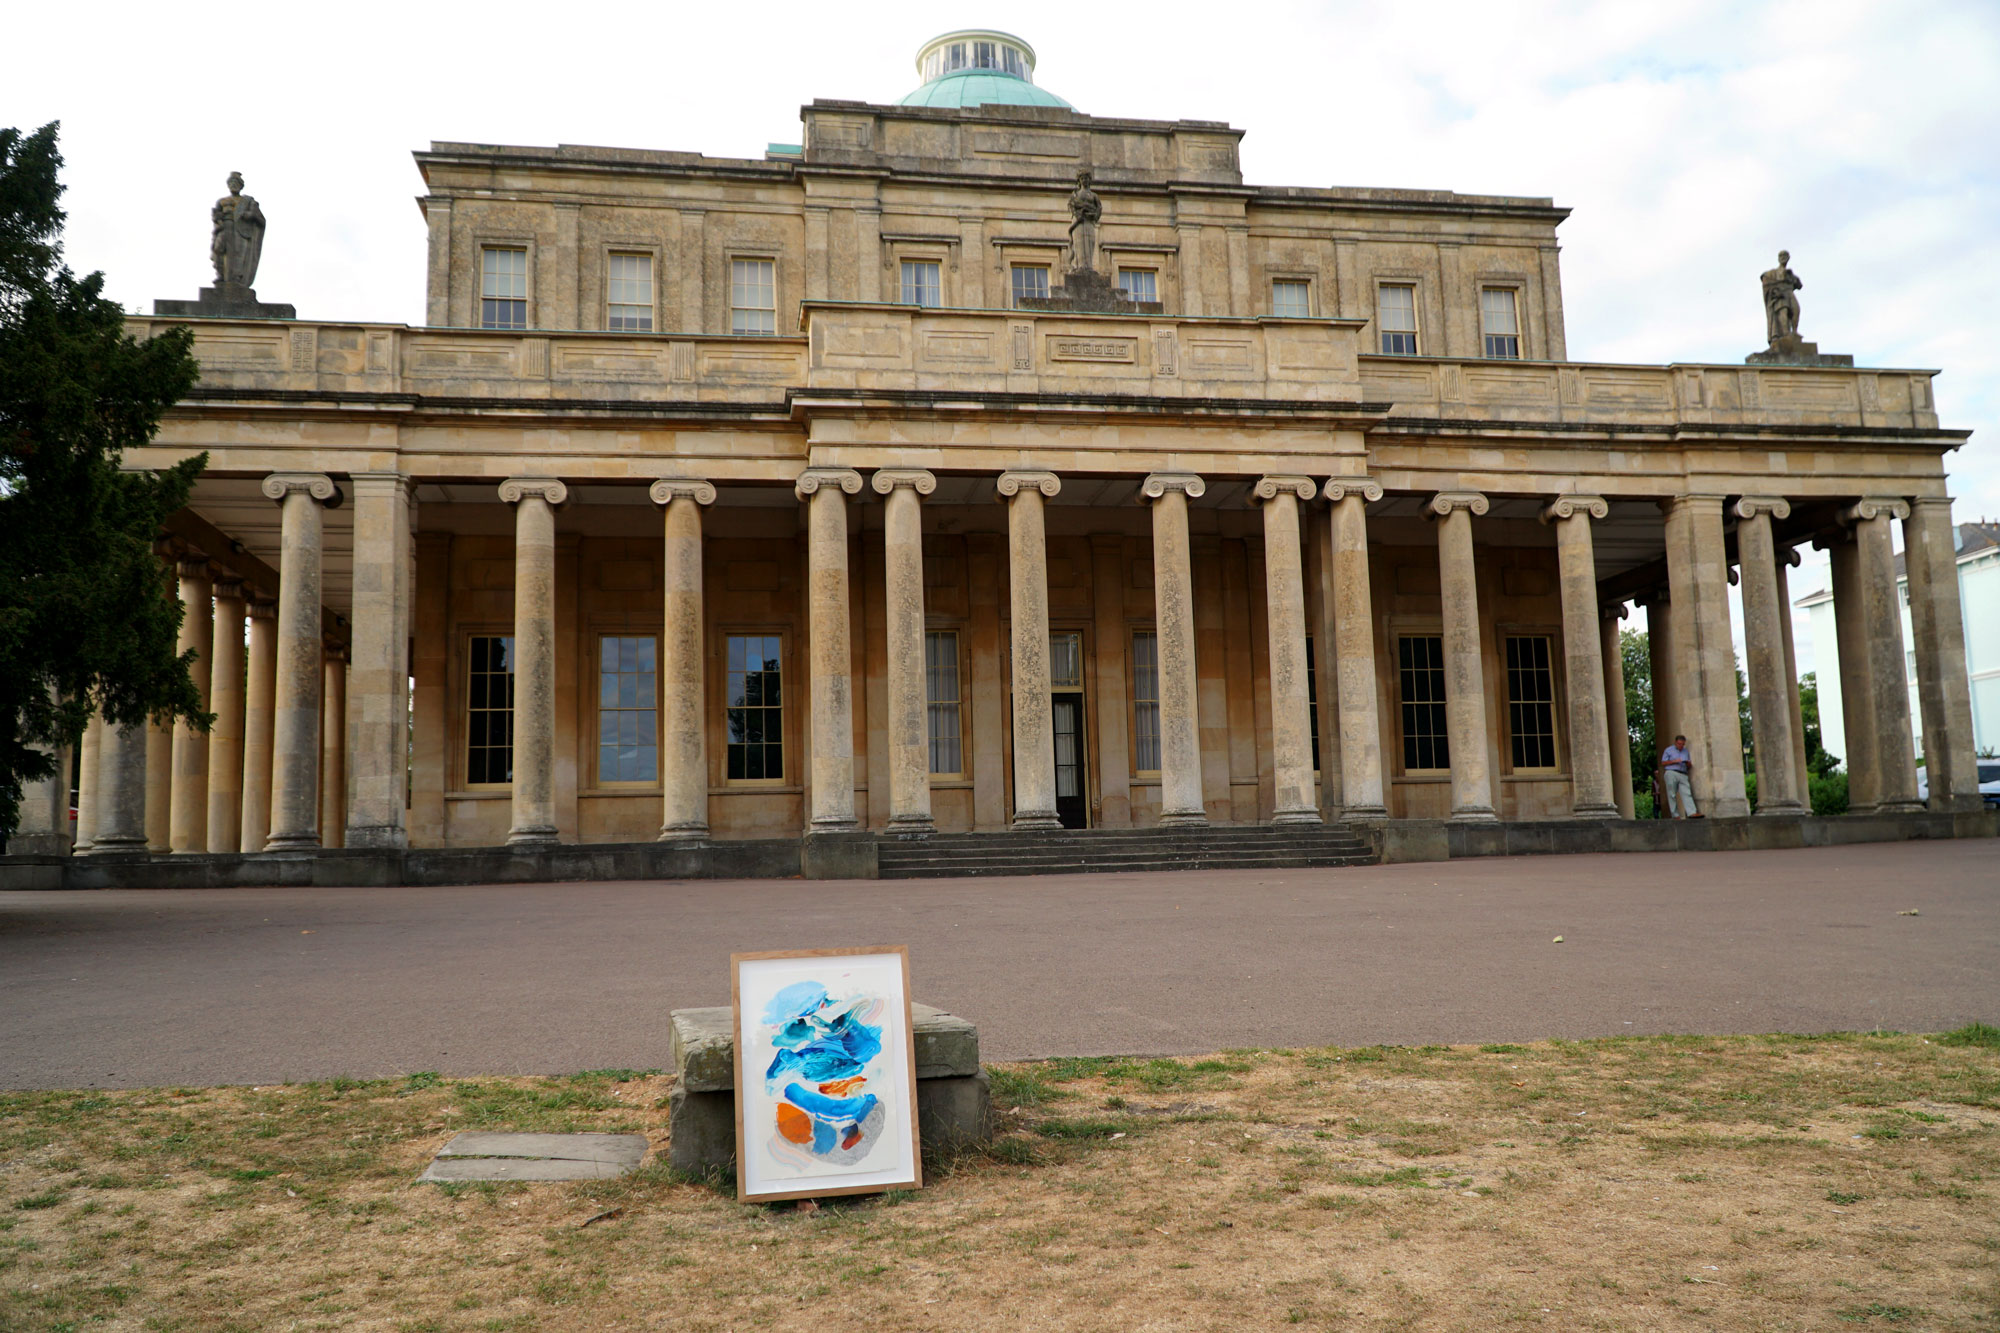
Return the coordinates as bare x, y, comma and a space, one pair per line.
1647, 1183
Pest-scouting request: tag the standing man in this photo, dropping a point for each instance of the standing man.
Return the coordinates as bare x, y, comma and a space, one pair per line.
1675, 763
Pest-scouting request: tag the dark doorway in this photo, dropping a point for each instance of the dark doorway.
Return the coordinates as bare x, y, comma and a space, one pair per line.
1072, 806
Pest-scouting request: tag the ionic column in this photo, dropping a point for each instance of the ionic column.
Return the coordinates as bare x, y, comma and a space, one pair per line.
1944, 692
42, 828
1705, 651
121, 802
683, 713
1354, 649
260, 680
333, 747
225, 742
1620, 739
378, 678
534, 500
1028, 596
1857, 693
1660, 671
825, 490
295, 704
1780, 784
159, 787
1788, 555
1464, 673
1882, 619
1593, 793
1285, 618
909, 700
89, 783
1173, 614
187, 819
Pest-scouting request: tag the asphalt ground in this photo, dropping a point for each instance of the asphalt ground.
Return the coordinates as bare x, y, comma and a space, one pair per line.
132, 988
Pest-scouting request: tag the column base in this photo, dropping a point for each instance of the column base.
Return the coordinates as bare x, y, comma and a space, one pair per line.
1297, 817
1183, 819
847, 824
1791, 809
911, 826
539, 836
119, 847
1364, 812
292, 842
1475, 814
1912, 807
689, 833
1595, 812
1035, 821
389, 836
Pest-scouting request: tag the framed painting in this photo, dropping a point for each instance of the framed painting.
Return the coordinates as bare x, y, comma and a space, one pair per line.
826, 1073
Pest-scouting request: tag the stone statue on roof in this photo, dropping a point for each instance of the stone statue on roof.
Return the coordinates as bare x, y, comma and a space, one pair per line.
1085, 210
1781, 301
238, 238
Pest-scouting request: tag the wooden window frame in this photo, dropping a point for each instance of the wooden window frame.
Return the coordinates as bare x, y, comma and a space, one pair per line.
1553, 638
522, 246
651, 255
1383, 333
735, 257
957, 702
1402, 766
466, 635
785, 747
1513, 288
598, 780
1304, 280
1132, 683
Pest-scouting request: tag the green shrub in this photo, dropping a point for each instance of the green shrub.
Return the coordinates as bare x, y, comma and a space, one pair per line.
1829, 794
1642, 805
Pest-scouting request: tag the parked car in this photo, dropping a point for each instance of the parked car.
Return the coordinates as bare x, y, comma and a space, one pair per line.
1989, 782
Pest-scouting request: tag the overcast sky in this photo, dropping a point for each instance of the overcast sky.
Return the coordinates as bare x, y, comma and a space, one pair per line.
1691, 140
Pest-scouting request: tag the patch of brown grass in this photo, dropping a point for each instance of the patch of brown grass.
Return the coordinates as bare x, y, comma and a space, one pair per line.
1715, 1183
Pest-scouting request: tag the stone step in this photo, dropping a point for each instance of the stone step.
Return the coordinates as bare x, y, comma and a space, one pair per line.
964, 870
1148, 850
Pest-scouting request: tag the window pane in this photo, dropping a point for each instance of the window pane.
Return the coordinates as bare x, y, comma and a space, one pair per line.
489, 731
1291, 299
627, 722
1531, 702
1146, 701
1140, 284
1420, 681
753, 296
1498, 316
755, 721
922, 284
1312, 701
1030, 280
1066, 661
941, 692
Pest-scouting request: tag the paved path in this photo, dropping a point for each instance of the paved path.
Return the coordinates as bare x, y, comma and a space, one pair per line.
131, 988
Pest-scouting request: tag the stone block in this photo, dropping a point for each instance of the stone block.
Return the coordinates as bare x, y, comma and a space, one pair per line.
838, 856
32, 872
518, 1168
1400, 840
701, 1130
954, 1114
1477, 839
1644, 835
702, 1046
482, 1156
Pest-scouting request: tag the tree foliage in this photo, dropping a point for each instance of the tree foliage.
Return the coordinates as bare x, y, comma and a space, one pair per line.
88, 617
1637, 651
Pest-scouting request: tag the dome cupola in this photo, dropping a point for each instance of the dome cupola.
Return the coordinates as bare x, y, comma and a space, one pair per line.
978, 67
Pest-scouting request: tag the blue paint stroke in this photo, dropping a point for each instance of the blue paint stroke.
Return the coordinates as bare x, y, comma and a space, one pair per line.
794, 1002
827, 1049
840, 1110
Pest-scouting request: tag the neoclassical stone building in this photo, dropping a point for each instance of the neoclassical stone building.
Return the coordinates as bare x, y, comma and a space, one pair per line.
726, 499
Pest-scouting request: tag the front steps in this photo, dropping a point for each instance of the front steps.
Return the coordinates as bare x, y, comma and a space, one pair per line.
1079, 851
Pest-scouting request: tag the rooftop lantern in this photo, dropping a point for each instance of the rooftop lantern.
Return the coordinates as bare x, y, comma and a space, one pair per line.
978, 67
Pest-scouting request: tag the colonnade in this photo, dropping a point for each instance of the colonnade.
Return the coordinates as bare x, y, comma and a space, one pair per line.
263, 780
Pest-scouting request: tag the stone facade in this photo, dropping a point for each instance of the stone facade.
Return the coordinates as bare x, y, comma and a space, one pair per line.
960, 564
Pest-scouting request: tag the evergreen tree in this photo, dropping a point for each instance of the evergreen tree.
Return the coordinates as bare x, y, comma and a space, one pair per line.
88, 615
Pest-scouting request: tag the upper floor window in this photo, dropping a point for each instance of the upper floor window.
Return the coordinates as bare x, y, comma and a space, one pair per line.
1030, 280
941, 693
1396, 316
753, 296
922, 284
503, 287
628, 291
489, 711
628, 745
1140, 284
1291, 298
1501, 322
1531, 707
1420, 696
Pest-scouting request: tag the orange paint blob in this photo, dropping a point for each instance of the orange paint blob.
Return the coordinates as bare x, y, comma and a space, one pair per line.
794, 1124
840, 1087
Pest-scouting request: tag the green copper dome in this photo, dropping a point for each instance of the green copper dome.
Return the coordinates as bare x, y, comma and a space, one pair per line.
978, 67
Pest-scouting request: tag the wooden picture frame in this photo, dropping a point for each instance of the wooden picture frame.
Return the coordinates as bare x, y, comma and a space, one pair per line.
801, 1134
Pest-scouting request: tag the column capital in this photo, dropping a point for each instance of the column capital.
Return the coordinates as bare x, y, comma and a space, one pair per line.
1788, 555
1275, 485
516, 489
1339, 488
1009, 484
887, 479
669, 489
191, 566
381, 483
1574, 506
1441, 504
261, 607
335, 650
840, 478
316, 484
1159, 483
1875, 506
1613, 611
1749, 506
227, 587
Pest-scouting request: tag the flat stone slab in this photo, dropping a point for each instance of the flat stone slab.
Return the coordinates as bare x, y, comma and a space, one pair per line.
484, 1156
704, 1046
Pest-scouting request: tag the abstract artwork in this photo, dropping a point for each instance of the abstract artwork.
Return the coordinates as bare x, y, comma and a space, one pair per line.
825, 1073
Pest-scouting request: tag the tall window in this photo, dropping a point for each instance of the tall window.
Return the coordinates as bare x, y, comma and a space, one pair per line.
755, 709
753, 296
1291, 298
941, 689
1140, 284
489, 717
1312, 701
921, 283
503, 287
628, 746
1501, 322
1396, 316
1066, 661
1146, 701
1030, 280
1420, 681
628, 291
1531, 708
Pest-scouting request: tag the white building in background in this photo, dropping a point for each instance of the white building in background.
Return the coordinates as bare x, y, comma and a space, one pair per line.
1979, 598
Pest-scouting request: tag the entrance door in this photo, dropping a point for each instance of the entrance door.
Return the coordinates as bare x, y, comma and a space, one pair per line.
1072, 807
